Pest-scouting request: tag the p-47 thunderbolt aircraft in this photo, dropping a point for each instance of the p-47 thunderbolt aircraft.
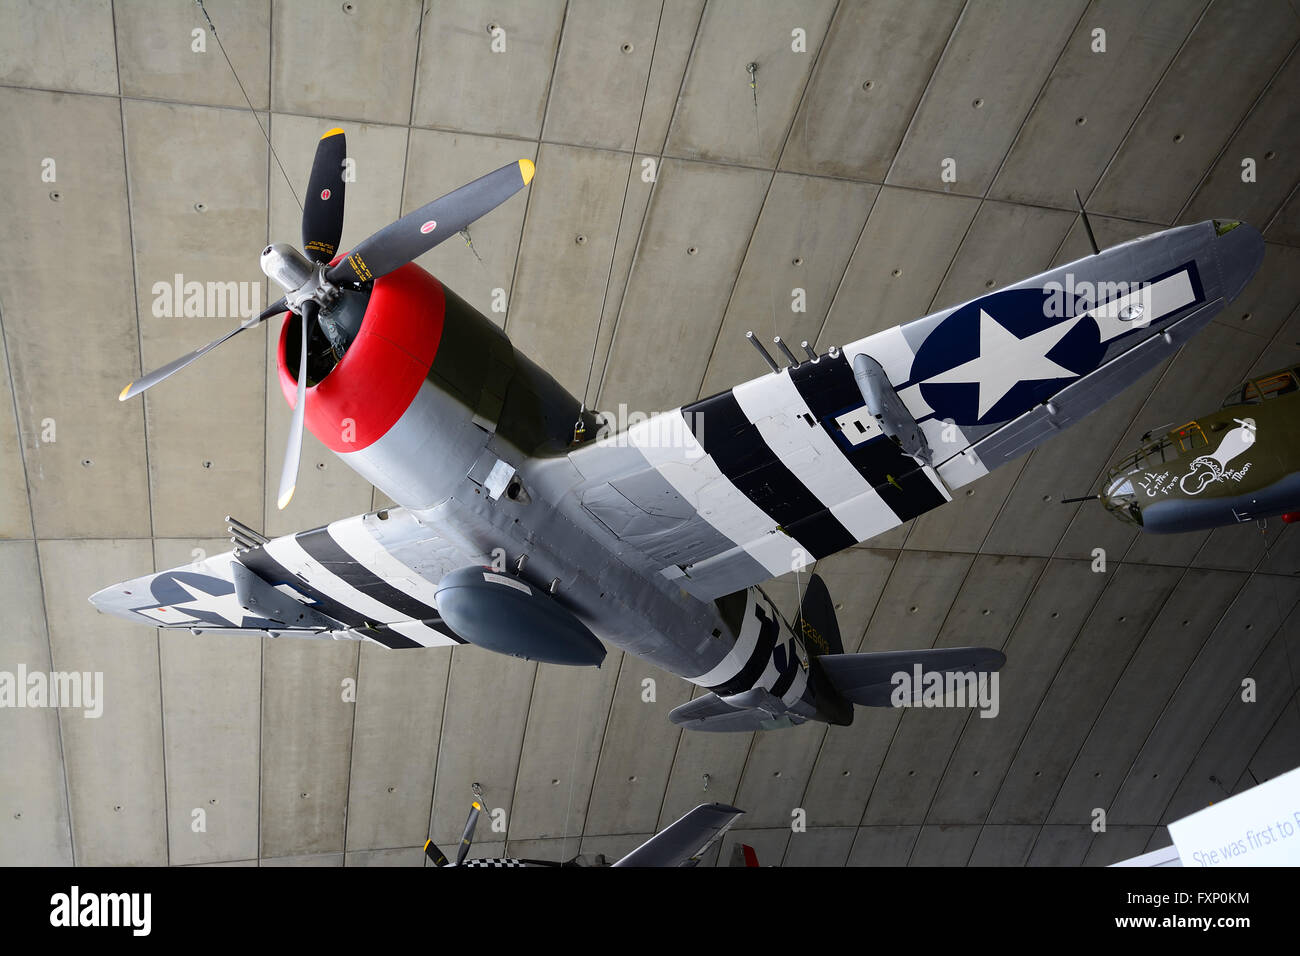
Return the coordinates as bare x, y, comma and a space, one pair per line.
524, 533
681, 843
1240, 463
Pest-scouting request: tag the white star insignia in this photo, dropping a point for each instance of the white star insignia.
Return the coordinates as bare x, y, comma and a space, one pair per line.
224, 605
1005, 360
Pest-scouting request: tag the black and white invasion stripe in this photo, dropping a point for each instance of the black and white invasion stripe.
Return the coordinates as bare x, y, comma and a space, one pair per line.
354, 580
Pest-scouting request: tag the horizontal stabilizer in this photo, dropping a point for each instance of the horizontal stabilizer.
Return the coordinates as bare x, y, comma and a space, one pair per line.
712, 713
869, 679
685, 840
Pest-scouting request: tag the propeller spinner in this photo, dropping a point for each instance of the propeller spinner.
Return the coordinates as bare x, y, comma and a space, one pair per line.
312, 286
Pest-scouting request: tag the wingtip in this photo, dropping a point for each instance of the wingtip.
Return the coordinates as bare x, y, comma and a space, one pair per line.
526, 170
333, 132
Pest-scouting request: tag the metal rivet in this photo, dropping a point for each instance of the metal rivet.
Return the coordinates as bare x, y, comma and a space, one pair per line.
632, 779
1080, 120
1271, 154
978, 103
86, 463
492, 28
627, 48
320, 466
207, 464
913, 609
776, 773
990, 283
200, 207
580, 239
693, 250
1178, 137
555, 782
797, 261
391, 789
349, 8
969, 492
897, 273
118, 808
1245, 316
56, 195
868, 85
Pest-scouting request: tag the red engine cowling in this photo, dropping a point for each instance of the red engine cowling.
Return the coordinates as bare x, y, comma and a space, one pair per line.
379, 375
1291, 517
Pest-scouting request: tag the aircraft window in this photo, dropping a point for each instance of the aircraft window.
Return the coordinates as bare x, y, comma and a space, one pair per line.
1190, 436
1275, 385
1245, 394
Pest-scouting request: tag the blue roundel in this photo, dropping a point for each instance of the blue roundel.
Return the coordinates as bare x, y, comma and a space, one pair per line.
1001, 355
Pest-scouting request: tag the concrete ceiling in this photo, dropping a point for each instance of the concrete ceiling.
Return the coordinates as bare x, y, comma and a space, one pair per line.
1122, 688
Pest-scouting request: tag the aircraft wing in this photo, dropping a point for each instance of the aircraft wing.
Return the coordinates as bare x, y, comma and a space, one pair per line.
765, 478
370, 577
685, 840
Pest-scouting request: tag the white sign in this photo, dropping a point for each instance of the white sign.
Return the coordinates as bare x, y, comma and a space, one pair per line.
1260, 827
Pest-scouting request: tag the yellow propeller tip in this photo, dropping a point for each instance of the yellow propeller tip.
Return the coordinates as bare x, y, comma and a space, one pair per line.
427, 842
122, 395
334, 132
526, 169
476, 805
286, 498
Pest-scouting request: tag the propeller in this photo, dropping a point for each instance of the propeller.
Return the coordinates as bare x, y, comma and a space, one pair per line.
293, 450
175, 365
439, 858
322, 214
417, 232
313, 285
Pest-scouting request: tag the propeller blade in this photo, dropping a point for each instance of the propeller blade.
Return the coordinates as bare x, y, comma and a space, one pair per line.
468, 835
322, 211
417, 232
293, 449
175, 365
433, 853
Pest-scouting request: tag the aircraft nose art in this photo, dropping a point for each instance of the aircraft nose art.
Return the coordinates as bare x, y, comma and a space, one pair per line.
1240, 250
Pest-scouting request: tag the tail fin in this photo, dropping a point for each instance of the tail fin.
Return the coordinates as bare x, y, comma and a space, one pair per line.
815, 623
